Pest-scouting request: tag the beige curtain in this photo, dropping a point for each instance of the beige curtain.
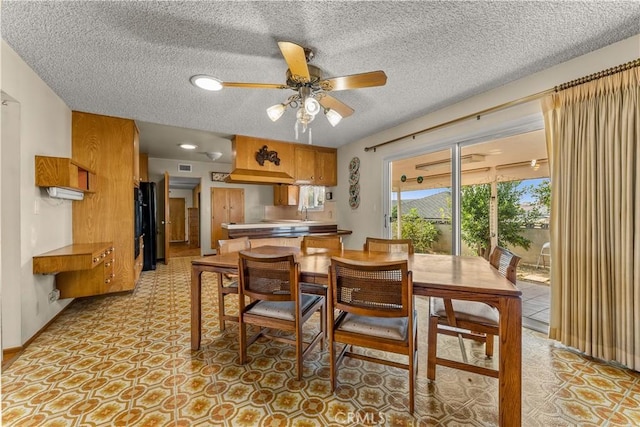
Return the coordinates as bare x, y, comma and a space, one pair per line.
593, 140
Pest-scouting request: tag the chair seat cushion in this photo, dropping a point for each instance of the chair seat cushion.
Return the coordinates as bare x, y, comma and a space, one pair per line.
284, 310
471, 311
230, 285
394, 328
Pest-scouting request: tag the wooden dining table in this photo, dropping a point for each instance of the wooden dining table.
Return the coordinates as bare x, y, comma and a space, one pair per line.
445, 276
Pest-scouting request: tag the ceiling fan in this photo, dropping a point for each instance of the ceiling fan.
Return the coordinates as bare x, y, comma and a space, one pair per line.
311, 89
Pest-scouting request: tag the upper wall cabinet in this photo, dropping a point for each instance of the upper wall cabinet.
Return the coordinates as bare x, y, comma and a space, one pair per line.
136, 157
316, 166
143, 167
64, 172
285, 195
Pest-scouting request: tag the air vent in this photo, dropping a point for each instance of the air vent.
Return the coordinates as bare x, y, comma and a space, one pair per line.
184, 168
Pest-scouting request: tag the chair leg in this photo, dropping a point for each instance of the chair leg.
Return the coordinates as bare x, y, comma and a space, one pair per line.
489, 346
432, 343
323, 325
243, 340
220, 303
332, 363
412, 376
299, 338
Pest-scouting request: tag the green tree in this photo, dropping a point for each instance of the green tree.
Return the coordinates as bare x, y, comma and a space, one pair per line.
542, 193
511, 217
421, 232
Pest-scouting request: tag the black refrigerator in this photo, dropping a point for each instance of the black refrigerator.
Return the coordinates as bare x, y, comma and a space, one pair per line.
148, 190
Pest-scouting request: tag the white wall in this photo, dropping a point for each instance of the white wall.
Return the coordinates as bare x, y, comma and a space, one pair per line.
367, 220
256, 197
43, 127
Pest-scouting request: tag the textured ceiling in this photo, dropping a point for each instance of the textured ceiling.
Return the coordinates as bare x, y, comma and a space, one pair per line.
134, 59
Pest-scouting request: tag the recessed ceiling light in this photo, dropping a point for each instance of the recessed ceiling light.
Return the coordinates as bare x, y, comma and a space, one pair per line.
188, 146
206, 82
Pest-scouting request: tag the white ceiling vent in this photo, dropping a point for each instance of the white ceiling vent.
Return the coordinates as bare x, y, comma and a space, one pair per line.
184, 168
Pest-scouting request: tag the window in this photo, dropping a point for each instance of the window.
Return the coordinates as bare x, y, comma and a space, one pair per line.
311, 197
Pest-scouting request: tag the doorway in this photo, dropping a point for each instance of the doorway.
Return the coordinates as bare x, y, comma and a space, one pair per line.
177, 216
186, 192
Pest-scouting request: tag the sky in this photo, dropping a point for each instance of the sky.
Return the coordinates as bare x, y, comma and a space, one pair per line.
410, 195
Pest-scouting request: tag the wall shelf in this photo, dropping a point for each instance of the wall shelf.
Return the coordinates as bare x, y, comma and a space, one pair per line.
64, 172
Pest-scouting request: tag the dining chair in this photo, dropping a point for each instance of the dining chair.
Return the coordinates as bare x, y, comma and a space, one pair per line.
468, 319
225, 247
276, 241
371, 306
328, 242
373, 244
276, 303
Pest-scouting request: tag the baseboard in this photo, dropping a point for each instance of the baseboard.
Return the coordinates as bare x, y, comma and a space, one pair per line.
10, 355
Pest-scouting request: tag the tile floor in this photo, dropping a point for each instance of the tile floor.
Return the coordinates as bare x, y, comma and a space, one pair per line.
124, 360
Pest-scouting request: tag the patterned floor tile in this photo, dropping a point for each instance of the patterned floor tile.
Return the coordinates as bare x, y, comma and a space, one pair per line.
125, 360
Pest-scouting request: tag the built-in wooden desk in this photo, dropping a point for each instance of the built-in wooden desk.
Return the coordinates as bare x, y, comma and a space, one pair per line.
446, 276
72, 257
80, 269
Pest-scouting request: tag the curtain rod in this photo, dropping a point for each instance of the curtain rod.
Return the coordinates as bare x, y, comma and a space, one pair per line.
477, 115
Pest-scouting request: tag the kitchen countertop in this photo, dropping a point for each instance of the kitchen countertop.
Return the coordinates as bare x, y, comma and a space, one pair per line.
287, 223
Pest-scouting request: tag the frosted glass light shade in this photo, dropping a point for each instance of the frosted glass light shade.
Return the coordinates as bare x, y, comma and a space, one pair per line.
333, 117
276, 111
311, 106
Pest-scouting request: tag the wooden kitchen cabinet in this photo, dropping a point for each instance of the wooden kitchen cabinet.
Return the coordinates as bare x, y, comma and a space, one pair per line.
305, 159
326, 168
107, 145
316, 166
227, 206
144, 167
136, 157
285, 195
64, 172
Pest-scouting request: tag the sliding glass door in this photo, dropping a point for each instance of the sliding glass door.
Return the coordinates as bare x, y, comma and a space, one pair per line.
421, 201
469, 197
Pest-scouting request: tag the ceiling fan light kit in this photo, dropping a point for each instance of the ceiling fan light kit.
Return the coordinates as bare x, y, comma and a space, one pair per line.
332, 116
206, 82
311, 89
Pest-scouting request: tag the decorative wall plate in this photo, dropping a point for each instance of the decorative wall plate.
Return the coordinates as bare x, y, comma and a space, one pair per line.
354, 201
354, 165
219, 176
354, 190
354, 177
354, 187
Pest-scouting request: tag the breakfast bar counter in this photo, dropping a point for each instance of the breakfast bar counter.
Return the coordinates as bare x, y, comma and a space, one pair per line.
280, 228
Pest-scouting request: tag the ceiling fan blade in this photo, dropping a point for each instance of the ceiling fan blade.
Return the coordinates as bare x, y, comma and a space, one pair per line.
255, 85
296, 60
355, 81
340, 107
